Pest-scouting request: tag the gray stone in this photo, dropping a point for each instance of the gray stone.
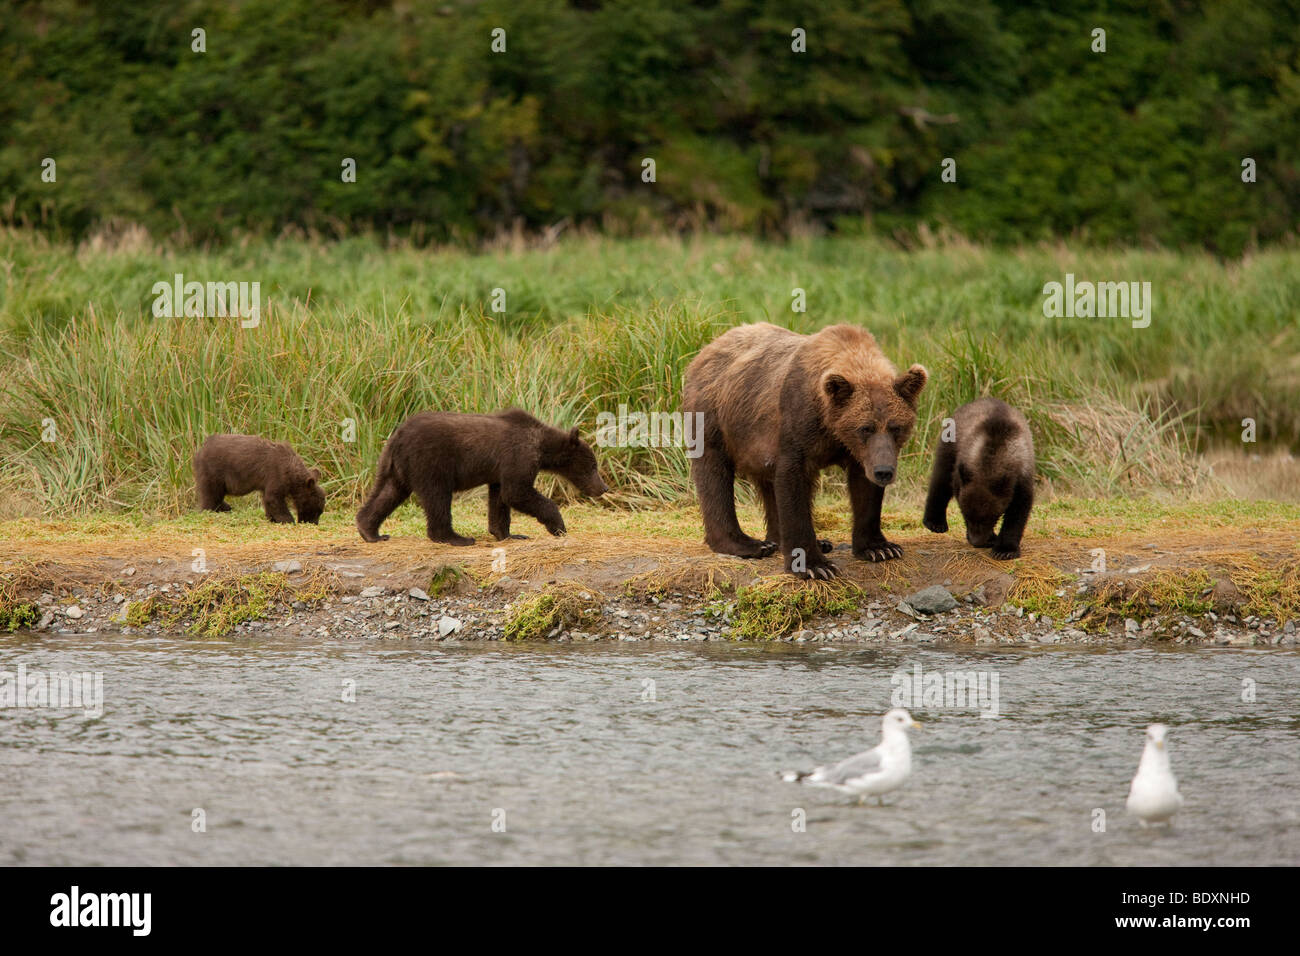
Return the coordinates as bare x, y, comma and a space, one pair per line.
932, 600
288, 567
74, 612
372, 591
449, 625
418, 594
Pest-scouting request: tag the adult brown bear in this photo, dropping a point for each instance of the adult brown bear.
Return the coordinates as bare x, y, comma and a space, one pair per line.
238, 464
778, 408
435, 454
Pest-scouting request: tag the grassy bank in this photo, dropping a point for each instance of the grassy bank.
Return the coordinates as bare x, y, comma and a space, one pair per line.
352, 331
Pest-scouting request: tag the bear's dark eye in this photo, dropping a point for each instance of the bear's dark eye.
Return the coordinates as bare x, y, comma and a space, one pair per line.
866, 431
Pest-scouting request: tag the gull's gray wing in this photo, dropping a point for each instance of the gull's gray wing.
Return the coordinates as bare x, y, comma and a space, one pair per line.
862, 764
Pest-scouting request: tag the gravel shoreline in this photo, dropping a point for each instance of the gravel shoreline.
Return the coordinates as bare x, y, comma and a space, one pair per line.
387, 612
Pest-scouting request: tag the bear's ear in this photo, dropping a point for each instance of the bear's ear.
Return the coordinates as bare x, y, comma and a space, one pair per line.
909, 384
574, 436
314, 473
837, 388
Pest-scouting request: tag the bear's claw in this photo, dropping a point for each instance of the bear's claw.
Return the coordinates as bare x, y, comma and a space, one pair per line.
885, 552
937, 525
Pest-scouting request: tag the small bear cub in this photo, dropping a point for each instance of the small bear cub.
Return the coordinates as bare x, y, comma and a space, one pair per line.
239, 464
433, 455
987, 464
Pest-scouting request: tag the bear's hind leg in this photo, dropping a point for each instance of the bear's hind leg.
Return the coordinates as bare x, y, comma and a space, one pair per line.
436, 501
383, 501
212, 493
715, 486
773, 518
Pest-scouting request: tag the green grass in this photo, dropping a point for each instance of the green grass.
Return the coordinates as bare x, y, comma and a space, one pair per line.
217, 606
559, 605
772, 608
356, 331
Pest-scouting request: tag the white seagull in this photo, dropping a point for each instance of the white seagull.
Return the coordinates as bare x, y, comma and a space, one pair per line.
1154, 796
871, 774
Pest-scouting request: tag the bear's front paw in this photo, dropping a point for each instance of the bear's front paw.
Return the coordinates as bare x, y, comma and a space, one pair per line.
882, 551
557, 528
937, 525
767, 548
1005, 552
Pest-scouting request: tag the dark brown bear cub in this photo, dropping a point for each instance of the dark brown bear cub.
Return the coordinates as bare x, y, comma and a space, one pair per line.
778, 408
435, 454
238, 464
987, 463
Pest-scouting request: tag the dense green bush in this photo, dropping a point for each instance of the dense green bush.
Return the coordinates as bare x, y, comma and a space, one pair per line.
1140, 144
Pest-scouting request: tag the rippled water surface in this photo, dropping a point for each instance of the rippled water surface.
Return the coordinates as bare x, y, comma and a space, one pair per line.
563, 747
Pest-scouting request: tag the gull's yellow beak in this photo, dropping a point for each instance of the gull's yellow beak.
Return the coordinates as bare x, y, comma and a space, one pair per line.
1160, 744
916, 724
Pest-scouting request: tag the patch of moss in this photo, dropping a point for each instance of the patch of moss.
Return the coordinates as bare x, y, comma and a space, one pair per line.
1043, 590
447, 579
216, 606
15, 613
561, 605
774, 607
1269, 591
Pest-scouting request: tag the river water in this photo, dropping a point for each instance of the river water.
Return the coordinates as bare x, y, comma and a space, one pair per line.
246, 752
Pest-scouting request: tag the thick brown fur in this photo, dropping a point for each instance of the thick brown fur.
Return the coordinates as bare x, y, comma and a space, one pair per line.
989, 468
239, 464
778, 408
435, 454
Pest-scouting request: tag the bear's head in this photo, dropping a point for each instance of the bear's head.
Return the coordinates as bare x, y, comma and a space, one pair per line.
572, 458
308, 499
873, 420
982, 502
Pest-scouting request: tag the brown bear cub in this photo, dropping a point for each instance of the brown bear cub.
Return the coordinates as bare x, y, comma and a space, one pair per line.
987, 464
435, 454
238, 464
778, 408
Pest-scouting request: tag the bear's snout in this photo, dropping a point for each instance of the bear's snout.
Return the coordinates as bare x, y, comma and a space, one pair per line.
883, 476
979, 539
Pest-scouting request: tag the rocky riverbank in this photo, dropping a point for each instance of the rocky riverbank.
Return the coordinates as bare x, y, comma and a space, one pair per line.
355, 609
